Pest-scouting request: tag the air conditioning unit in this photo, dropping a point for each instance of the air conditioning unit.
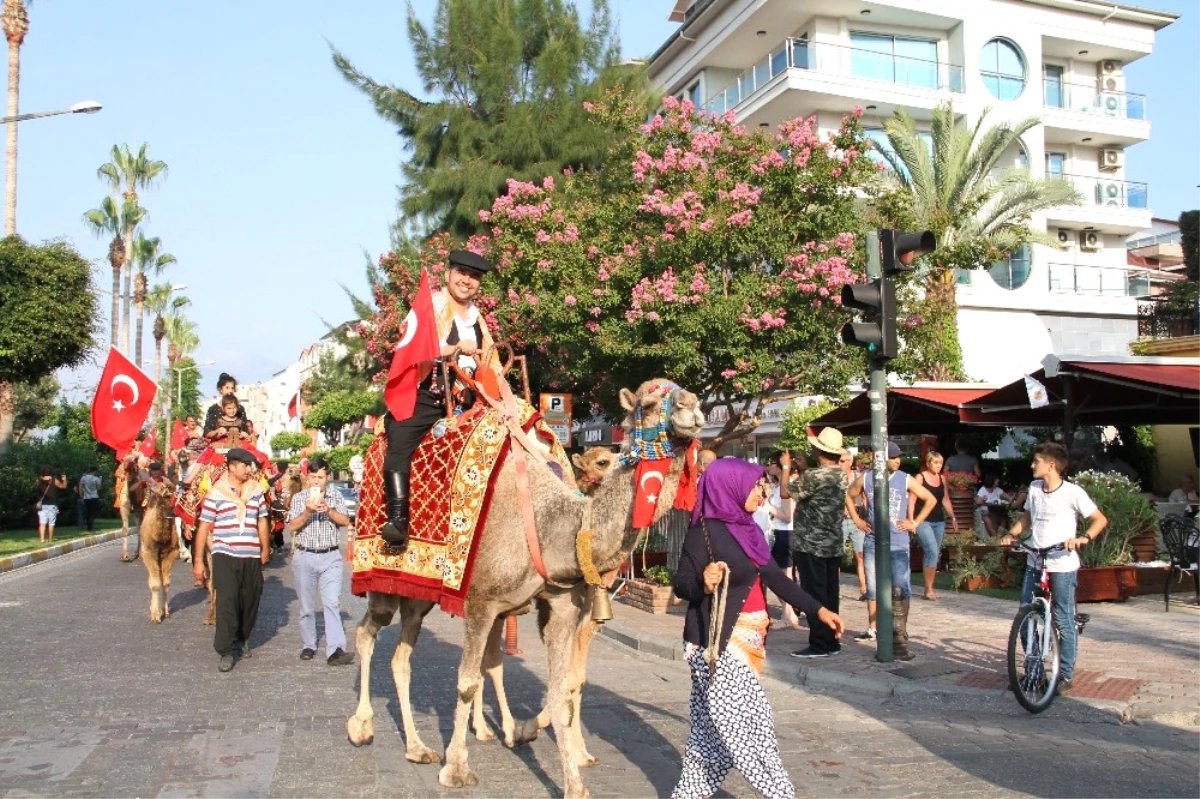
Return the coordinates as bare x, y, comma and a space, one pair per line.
1090, 241
1108, 67
1066, 238
1110, 192
1109, 104
1109, 159
1109, 76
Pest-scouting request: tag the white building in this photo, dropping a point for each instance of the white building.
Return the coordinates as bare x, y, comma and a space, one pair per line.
1060, 60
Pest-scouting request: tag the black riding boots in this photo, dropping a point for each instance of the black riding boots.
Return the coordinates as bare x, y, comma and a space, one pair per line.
900, 603
395, 491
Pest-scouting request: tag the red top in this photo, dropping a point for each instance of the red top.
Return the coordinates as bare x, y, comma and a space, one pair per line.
757, 600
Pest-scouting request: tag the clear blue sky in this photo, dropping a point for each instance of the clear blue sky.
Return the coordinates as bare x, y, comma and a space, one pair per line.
281, 174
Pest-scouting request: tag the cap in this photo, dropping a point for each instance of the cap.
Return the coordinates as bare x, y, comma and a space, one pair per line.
154, 465
239, 455
469, 260
894, 450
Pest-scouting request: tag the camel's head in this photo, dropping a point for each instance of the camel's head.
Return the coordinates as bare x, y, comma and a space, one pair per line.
594, 464
160, 495
659, 398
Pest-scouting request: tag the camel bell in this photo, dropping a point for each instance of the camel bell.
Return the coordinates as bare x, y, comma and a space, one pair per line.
601, 605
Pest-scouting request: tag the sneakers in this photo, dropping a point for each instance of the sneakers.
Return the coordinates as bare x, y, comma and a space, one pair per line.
307, 654
813, 653
1065, 685
243, 649
867, 635
225, 664
340, 657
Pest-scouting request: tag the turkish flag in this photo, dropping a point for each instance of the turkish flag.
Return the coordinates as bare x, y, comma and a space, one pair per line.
178, 436
648, 479
685, 495
147, 448
419, 344
122, 402
294, 406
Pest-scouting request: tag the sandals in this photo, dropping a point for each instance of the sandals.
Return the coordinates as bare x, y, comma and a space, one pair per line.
930, 597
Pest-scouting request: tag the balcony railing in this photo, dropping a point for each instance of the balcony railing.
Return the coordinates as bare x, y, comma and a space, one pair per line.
1100, 190
1157, 321
1174, 237
1098, 280
1084, 99
838, 60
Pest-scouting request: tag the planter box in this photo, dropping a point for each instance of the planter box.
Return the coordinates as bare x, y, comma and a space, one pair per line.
1107, 584
1151, 581
652, 559
650, 597
975, 583
1144, 546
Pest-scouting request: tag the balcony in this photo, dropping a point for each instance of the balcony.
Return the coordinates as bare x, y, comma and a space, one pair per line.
1098, 281
1072, 109
827, 68
1156, 320
1109, 205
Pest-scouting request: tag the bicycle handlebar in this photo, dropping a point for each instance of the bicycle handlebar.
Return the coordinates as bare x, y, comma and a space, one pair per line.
1018, 546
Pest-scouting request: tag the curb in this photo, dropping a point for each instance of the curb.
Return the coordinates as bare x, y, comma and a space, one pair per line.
40, 555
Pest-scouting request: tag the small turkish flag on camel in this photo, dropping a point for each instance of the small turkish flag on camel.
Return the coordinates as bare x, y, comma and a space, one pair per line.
419, 344
122, 402
294, 406
178, 435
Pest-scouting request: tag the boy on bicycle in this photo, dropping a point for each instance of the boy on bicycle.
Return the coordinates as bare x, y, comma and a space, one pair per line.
1050, 513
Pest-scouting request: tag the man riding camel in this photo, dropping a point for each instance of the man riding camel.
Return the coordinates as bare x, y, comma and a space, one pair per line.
460, 326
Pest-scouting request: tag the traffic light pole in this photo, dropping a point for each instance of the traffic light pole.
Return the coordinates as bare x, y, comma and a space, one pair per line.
881, 523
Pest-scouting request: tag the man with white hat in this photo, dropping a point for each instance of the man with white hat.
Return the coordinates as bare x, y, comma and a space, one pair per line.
820, 505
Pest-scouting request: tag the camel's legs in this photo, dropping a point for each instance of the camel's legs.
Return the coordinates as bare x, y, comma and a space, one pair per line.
480, 619
124, 509
360, 728
154, 578
168, 563
493, 666
561, 629
412, 615
211, 618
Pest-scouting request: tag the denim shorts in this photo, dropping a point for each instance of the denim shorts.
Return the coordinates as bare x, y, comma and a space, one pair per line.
853, 535
901, 573
47, 514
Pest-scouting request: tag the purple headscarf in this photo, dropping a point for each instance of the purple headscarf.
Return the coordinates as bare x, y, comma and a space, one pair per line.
722, 496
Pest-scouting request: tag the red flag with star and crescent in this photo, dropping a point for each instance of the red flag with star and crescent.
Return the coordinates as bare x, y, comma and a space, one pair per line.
419, 344
122, 402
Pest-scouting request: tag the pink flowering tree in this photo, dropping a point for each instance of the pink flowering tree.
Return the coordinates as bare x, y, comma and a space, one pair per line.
703, 252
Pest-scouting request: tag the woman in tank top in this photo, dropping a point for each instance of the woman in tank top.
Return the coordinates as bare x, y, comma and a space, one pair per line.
931, 531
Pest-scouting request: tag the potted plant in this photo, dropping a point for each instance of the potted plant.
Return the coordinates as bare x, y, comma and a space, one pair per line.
652, 593
969, 573
1106, 574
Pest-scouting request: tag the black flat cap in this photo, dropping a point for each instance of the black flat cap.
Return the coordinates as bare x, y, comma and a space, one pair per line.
469, 260
238, 455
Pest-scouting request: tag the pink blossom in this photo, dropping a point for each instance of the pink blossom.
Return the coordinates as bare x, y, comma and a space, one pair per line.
484, 215
569, 300
740, 219
728, 373
548, 183
595, 310
542, 237
512, 296
593, 327
652, 316
543, 264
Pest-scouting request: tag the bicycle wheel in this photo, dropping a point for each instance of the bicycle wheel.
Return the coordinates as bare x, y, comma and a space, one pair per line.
1032, 677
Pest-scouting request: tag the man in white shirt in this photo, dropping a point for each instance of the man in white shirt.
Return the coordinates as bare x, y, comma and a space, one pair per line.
1050, 514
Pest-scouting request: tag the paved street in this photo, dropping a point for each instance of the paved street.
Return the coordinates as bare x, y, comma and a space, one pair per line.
95, 701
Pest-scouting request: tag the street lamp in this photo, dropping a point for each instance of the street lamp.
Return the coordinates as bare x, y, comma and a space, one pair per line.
86, 107
179, 370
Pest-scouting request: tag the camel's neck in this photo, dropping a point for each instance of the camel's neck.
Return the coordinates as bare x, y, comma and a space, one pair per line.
612, 512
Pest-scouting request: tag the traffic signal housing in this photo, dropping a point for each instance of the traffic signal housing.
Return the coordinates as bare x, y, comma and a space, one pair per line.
877, 331
899, 249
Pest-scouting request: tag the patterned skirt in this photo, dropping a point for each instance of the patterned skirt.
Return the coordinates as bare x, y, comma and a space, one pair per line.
732, 724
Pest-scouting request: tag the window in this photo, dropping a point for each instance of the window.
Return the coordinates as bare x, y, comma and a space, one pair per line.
1013, 272
1003, 69
693, 94
1056, 164
962, 276
1054, 93
882, 144
895, 59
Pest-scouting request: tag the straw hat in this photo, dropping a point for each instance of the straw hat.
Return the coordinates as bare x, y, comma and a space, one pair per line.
828, 440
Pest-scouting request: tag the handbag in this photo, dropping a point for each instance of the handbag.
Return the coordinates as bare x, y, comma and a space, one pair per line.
38, 505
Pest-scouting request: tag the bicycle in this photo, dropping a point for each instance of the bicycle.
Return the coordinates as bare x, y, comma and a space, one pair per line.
1033, 655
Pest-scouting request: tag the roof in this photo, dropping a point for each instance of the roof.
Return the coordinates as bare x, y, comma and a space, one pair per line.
910, 409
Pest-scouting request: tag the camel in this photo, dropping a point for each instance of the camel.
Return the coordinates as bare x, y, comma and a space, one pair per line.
594, 464
159, 547
505, 580
125, 505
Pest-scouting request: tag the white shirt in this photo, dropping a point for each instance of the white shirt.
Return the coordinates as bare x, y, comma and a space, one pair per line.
991, 495
466, 332
1178, 495
1053, 520
89, 486
776, 501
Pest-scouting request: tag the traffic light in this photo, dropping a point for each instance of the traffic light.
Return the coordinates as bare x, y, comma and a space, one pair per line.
899, 250
877, 332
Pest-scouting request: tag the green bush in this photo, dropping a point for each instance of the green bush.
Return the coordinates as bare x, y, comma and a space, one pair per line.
659, 575
17, 497
63, 456
1127, 509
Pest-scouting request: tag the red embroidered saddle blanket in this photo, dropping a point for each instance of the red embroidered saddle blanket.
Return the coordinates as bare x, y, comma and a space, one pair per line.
450, 491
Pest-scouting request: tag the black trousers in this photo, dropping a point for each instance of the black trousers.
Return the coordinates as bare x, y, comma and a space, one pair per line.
92, 507
819, 577
239, 584
403, 437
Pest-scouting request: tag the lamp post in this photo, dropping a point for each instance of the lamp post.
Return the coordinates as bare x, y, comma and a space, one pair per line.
10, 215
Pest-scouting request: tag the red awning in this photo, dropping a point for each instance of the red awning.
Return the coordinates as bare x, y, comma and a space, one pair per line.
910, 410
1145, 375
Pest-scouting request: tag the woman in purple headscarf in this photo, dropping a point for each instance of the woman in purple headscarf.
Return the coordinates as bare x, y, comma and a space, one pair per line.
732, 725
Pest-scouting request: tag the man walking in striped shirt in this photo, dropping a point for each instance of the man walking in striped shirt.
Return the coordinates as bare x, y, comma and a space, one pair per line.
315, 519
234, 517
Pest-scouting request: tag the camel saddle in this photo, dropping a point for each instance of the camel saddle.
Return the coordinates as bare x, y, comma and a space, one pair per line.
450, 492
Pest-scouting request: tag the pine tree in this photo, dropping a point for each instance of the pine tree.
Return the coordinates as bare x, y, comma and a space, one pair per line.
508, 81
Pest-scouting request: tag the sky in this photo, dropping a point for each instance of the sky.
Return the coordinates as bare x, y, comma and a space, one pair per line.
281, 174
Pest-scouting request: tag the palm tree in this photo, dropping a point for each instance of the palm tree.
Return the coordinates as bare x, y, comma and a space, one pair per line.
159, 302
147, 254
954, 185
110, 220
16, 25
127, 172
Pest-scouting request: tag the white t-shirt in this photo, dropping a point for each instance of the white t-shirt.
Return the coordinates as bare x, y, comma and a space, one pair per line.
1053, 520
776, 501
991, 495
1178, 495
466, 332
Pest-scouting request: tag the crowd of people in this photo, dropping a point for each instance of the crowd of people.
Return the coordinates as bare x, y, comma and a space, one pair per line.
752, 524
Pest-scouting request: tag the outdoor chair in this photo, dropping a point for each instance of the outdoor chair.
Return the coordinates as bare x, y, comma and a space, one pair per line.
1180, 534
